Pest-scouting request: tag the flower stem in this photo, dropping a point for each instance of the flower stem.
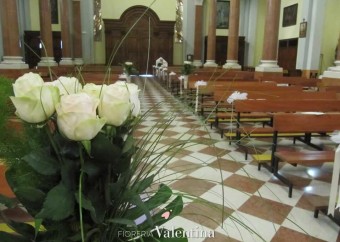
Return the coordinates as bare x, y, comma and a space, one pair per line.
80, 193
53, 143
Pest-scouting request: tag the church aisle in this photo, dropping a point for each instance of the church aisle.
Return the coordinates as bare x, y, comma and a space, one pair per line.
217, 173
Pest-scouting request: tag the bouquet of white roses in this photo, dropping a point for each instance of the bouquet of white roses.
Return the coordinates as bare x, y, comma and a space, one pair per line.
85, 183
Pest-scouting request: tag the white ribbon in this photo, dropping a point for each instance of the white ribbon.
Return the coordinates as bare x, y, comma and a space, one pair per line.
237, 96
200, 83
122, 76
181, 78
197, 85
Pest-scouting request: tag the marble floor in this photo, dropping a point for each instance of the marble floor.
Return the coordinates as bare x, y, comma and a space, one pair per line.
225, 194
225, 197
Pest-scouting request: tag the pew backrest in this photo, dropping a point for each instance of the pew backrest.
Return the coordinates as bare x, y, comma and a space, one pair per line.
282, 105
306, 123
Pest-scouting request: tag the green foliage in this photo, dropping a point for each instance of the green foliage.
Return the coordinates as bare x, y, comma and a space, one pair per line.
6, 112
111, 185
129, 69
188, 68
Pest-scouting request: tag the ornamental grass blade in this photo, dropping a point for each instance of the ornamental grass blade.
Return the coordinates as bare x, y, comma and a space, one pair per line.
136, 200
143, 184
122, 221
129, 144
59, 204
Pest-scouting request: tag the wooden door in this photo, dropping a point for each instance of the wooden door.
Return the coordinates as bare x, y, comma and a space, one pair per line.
287, 54
136, 42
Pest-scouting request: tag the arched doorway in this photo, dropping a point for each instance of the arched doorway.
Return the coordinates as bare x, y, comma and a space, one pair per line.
135, 45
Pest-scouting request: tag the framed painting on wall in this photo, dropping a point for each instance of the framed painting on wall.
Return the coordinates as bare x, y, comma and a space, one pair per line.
303, 29
222, 14
289, 15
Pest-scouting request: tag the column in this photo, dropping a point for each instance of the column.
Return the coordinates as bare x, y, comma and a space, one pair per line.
309, 47
77, 34
47, 56
270, 43
198, 34
211, 45
12, 58
65, 33
234, 19
334, 71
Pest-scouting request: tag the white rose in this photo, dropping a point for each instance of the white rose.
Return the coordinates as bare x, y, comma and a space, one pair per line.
115, 105
187, 62
27, 82
77, 118
94, 90
128, 63
68, 85
34, 100
134, 96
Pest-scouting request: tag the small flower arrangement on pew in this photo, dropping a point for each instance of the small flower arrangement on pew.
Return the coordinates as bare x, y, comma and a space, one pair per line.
129, 69
188, 68
84, 177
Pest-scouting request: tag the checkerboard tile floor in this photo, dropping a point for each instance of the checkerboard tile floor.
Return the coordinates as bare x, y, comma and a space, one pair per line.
244, 204
225, 193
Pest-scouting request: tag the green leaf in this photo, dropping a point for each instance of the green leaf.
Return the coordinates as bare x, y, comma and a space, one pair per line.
103, 151
6, 237
161, 197
68, 173
87, 146
67, 148
98, 203
123, 221
143, 184
123, 164
59, 203
8, 202
37, 226
136, 200
86, 203
92, 170
31, 198
175, 208
56, 232
129, 144
42, 162
29, 193
22, 228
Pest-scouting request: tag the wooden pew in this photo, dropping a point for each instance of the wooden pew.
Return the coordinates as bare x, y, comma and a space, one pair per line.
307, 83
44, 72
254, 92
208, 75
220, 91
306, 123
270, 106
